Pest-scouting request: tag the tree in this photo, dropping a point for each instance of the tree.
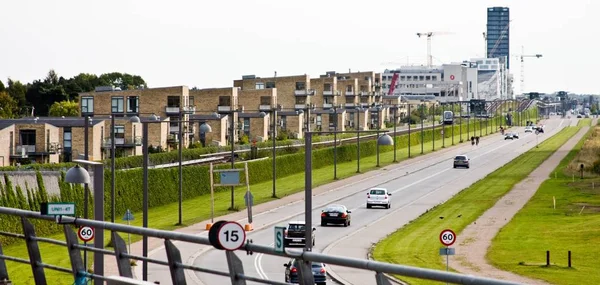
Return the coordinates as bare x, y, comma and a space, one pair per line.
64, 108
2, 88
17, 91
8, 106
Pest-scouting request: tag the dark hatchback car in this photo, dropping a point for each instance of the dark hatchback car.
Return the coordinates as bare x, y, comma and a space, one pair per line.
318, 271
335, 214
461, 161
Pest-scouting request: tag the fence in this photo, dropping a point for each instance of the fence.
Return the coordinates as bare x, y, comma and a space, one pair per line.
235, 266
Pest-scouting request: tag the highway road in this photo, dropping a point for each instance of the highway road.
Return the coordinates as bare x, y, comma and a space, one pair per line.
417, 186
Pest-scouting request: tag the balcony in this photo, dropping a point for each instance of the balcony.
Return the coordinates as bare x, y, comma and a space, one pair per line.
349, 105
306, 92
172, 110
349, 93
122, 142
25, 149
221, 108
264, 107
189, 110
364, 93
173, 138
173, 129
331, 93
300, 106
327, 105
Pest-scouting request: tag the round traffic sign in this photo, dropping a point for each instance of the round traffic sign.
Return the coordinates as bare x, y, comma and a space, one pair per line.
231, 236
86, 233
447, 237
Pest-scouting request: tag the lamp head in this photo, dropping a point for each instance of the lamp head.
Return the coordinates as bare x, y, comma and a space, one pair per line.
78, 175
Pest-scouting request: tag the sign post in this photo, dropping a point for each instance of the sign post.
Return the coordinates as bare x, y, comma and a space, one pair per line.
278, 244
128, 217
249, 199
447, 238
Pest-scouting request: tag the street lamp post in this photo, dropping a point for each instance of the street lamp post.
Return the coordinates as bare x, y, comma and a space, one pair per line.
231, 135
80, 176
112, 168
180, 167
86, 193
395, 120
273, 138
422, 134
358, 110
433, 125
335, 143
381, 140
409, 122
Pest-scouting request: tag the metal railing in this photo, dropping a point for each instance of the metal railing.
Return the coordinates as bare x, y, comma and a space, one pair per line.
177, 267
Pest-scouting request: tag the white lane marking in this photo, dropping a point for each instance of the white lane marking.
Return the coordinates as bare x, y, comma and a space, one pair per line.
258, 265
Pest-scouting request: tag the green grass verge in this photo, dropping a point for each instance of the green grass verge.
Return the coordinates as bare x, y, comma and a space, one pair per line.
585, 122
164, 217
417, 243
522, 244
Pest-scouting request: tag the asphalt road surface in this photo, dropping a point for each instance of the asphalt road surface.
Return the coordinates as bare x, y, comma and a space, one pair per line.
417, 185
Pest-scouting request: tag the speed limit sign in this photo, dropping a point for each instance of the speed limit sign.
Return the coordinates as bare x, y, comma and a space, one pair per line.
227, 235
86, 233
447, 237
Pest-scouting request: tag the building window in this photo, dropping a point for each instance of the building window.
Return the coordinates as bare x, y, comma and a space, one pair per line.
265, 100
332, 119
119, 134
133, 104
67, 139
247, 127
173, 101
259, 85
224, 101
300, 85
363, 88
434, 77
428, 78
87, 104
402, 78
27, 137
349, 88
191, 101
117, 104
270, 85
300, 100
327, 87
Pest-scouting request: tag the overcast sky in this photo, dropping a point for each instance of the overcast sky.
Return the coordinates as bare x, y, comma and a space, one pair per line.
210, 43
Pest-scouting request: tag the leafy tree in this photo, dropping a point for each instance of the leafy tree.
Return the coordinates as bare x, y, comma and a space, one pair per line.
2, 88
64, 108
124, 81
17, 91
8, 106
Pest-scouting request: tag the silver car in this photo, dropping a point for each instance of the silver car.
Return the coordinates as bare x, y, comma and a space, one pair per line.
461, 161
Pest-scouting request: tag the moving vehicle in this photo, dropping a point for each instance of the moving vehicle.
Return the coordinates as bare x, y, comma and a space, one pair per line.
318, 271
529, 129
461, 161
335, 214
295, 234
379, 197
510, 136
448, 118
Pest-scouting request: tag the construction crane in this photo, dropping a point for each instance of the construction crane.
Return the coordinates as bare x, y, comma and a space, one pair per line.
429, 35
522, 56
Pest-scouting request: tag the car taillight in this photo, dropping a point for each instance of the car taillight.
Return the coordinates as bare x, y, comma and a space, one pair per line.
385, 197
344, 215
368, 196
323, 215
285, 233
322, 270
294, 269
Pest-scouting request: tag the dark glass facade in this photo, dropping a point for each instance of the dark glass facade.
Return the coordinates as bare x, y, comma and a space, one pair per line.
498, 36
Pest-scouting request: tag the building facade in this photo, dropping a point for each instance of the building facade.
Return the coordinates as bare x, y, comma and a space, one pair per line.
498, 34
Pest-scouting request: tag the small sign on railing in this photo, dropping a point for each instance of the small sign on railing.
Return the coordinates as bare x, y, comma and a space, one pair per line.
58, 209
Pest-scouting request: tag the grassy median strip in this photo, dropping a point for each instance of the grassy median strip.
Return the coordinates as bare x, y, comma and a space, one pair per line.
417, 243
572, 226
198, 209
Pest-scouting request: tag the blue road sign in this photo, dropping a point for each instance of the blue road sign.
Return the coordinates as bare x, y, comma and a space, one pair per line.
128, 216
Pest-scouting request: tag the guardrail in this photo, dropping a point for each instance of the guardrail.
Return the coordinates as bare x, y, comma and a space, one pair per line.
176, 267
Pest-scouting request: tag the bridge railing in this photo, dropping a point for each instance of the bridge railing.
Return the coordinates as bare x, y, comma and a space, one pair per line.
174, 262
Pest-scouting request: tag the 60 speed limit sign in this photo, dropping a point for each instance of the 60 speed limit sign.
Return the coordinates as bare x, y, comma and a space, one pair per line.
86, 233
447, 237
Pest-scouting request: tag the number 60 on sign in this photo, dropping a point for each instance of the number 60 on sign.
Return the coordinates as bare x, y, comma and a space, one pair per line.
447, 237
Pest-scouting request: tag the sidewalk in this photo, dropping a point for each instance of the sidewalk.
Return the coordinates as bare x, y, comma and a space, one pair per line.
188, 255
474, 241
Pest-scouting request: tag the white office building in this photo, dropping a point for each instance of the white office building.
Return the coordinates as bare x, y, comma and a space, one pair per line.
493, 79
445, 83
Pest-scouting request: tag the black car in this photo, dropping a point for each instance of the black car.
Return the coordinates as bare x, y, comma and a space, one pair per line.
295, 234
318, 270
336, 214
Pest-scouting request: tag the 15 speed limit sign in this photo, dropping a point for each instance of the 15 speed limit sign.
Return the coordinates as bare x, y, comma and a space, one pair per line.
86, 233
447, 237
231, 236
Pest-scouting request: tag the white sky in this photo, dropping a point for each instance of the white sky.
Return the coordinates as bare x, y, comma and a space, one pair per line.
210, 43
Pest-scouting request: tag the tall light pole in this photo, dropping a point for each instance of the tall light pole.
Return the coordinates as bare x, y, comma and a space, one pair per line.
395, 120
180, 166
422, 134
86, 185
334, 109
381, 140
358, 110
112, 168
274, 138
231, 135
409, 122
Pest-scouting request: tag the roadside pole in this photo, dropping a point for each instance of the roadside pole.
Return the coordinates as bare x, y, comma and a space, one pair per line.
249, 199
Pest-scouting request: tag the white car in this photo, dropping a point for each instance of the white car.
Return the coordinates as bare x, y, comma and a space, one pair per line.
529, 129
379, 197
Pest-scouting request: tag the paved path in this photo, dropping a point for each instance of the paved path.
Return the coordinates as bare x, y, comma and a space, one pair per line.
474, 241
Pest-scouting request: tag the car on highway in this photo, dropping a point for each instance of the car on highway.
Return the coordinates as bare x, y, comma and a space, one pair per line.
511, 136
529, 129
318, 271
379, 197
295, 233
335, 214
461, 161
